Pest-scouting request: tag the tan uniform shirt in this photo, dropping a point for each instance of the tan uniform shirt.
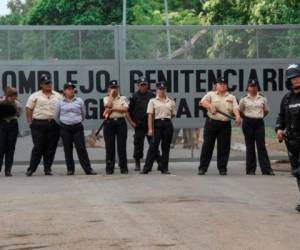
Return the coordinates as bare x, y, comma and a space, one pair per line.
118, 103
43, 107
162, 109
225, 103
254, 107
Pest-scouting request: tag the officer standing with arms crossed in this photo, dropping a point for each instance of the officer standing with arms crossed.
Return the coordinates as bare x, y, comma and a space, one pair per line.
288, 122
9, 129
254, 107
218, 126
69, 114
137, 117
115, 127
40, 111
160, 110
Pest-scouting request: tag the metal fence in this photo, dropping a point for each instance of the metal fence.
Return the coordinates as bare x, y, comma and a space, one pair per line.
188, 58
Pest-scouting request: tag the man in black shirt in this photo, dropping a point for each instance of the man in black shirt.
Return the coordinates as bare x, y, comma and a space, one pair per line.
288, 121
137, 117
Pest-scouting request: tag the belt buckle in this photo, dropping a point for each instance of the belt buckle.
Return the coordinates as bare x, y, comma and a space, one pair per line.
115, 119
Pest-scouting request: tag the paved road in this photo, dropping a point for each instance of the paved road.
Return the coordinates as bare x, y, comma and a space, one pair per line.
180, 211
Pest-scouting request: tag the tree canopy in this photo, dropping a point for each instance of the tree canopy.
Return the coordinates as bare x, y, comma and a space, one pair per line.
151, 12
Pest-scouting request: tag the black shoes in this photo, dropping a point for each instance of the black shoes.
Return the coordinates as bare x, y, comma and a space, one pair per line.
250, 173
70, 172
29, 173
144, 172
297, 208
165, 172
201, 172
8, 174
137, 165
92, 172
124, 171
271, 172
48, 173
223, 173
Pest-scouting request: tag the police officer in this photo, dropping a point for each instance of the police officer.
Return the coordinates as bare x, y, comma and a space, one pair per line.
70, 114
160, 110
288, 121
40, 111
137, 117
254, 108
9, 128
115, 127
218, 126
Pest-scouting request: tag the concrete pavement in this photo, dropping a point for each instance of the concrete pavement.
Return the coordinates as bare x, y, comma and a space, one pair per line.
180, 211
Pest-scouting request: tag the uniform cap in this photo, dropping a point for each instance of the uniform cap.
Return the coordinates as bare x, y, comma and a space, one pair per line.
69, 85
252, 82
222, 80
142, 80
113, 83
45, 79
161, 85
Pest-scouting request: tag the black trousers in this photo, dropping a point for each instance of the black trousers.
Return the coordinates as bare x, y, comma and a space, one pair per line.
115, 129
74, 134
139, 137
163, 133
8, 140
45, 135
254, 133
220, 131
293, 147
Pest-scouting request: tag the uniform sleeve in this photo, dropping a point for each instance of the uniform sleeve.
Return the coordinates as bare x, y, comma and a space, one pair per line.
207, 97
150, 107
125, 102
235, 103
242, 104
31, 101
173, 111
280, 121
82, 109
131, 105
105, 101
57, 112
266, 105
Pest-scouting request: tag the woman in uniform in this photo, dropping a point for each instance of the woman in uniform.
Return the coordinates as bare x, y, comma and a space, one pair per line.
160, 110
218, 126
115, 127
9, 130
69, 115
254, 108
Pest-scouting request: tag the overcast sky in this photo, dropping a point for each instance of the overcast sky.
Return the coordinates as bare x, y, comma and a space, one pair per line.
3, 9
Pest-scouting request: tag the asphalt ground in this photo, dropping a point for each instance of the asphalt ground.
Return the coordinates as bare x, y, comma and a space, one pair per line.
154, 211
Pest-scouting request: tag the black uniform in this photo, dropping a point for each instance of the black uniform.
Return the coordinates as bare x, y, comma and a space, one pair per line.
289, 120
138, 112
8, 136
